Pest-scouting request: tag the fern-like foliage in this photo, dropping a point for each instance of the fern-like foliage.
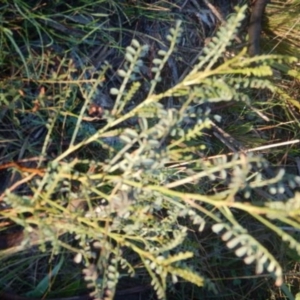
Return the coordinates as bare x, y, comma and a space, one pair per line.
140, 197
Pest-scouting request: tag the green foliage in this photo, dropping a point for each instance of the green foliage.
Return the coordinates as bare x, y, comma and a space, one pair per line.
133, 206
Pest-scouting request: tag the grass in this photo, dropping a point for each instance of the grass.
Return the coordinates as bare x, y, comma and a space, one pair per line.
65, 171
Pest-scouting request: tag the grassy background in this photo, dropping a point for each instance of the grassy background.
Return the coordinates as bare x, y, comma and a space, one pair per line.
52, 56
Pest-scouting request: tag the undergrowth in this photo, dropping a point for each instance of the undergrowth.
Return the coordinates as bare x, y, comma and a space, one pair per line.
125, 175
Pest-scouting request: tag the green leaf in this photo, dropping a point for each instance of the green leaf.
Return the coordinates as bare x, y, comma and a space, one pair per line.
44, 284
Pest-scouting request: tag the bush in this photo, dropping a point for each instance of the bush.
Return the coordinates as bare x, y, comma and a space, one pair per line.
131, 179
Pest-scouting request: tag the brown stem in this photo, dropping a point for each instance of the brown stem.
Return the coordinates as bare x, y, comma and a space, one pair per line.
255, 27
